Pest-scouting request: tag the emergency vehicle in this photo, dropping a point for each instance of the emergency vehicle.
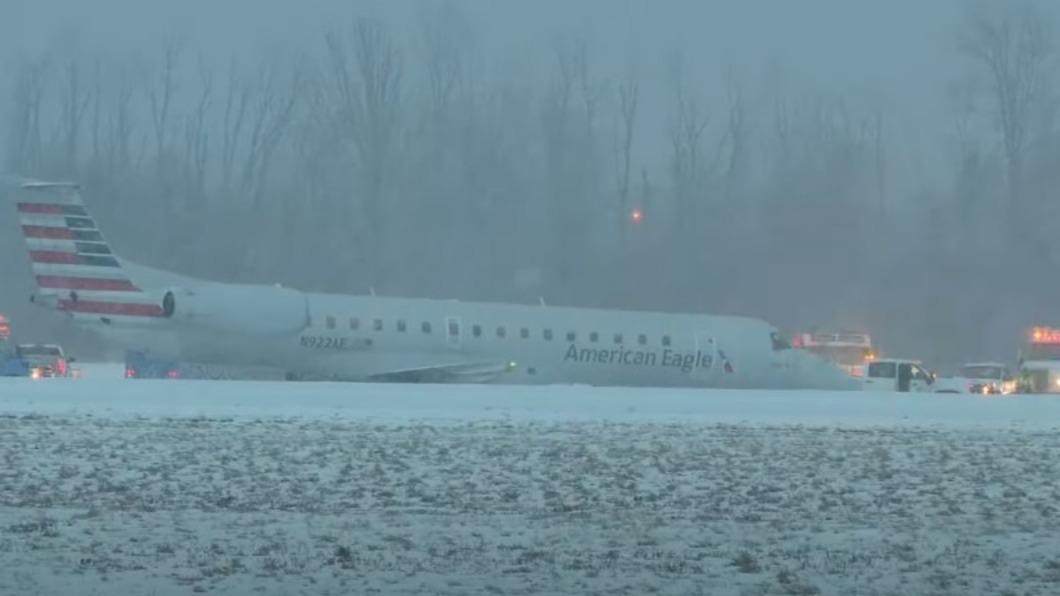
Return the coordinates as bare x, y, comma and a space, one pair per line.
987, 378
1039, 361
142, 364
850, 351
44, 360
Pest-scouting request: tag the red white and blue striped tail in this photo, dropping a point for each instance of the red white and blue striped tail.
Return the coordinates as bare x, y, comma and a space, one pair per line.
76, 270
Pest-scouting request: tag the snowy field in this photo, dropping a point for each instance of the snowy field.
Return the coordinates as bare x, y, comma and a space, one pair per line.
143, 487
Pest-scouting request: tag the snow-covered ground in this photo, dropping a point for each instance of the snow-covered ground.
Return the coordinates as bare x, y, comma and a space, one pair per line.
141, 487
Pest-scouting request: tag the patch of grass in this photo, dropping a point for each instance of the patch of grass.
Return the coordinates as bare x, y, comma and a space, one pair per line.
745, 562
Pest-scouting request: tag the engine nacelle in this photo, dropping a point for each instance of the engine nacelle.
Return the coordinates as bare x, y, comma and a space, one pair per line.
248, 310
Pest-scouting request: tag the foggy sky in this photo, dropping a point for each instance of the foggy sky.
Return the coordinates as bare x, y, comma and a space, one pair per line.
891, 56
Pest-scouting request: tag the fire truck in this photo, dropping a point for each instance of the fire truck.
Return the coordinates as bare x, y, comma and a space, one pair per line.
850, 351
1039, 361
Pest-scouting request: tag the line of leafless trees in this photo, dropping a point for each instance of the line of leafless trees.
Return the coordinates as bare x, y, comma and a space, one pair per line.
372, 162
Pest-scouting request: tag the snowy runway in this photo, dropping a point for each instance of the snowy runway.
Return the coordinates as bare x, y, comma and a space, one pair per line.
112, 487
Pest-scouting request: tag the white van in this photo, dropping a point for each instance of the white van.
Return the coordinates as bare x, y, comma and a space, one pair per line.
893, 374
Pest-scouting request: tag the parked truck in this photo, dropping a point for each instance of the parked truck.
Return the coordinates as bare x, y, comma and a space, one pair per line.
1039, 361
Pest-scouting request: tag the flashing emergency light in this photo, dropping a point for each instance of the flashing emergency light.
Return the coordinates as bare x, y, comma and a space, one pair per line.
833, 340
636, 216
1045, 335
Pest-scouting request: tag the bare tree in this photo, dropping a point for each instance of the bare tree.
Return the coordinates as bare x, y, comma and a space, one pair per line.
687, 127
628, 103
271, 117
237, 98
161, 98
121, 124
26, 145
366, 70
97, 110
734, 142
1013, 44
879, 152
196, 135
445, 35
591, 90
75, 102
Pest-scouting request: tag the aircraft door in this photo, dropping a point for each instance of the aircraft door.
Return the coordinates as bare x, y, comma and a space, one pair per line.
905, 377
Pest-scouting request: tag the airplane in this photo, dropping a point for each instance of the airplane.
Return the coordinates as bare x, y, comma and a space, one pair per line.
385, 339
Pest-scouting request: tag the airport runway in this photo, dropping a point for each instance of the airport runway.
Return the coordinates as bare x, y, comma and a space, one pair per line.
114, 487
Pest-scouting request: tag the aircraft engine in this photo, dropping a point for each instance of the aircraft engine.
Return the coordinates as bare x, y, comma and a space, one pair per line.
247, 310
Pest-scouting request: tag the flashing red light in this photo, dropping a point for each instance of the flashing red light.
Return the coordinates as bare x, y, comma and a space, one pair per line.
130, 373
636, 216
796, 342
1045, 335
173, 374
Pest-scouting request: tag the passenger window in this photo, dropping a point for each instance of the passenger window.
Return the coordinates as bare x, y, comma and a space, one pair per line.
594, 337
501, 332
476, 330
642, 339
666, 340
547, 334
401, 326
524, 333
426, 327
330, 322
571, 336
355, 324
618, 338
377, 324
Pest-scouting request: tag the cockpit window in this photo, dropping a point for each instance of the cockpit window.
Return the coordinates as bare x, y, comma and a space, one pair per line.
779, 343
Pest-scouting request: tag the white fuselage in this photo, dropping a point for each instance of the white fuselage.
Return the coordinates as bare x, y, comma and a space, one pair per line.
369, 338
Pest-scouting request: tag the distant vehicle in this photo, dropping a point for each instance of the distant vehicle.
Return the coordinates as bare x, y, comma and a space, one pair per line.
10, 364
44, 360
142, 364
851, 351
895, 374
988, 378
1039, 370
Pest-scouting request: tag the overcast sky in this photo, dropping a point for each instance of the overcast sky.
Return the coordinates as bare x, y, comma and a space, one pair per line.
896, 56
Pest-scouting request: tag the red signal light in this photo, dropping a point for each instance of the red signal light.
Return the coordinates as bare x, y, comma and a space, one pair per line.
636, 216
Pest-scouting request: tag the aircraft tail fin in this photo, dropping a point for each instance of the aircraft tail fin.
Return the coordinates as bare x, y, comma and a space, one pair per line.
75, 269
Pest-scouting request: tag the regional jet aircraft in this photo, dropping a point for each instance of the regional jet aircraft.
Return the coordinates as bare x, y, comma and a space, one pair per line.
372, 338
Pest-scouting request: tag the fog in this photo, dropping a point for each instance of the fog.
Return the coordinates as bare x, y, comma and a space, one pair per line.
820, 164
